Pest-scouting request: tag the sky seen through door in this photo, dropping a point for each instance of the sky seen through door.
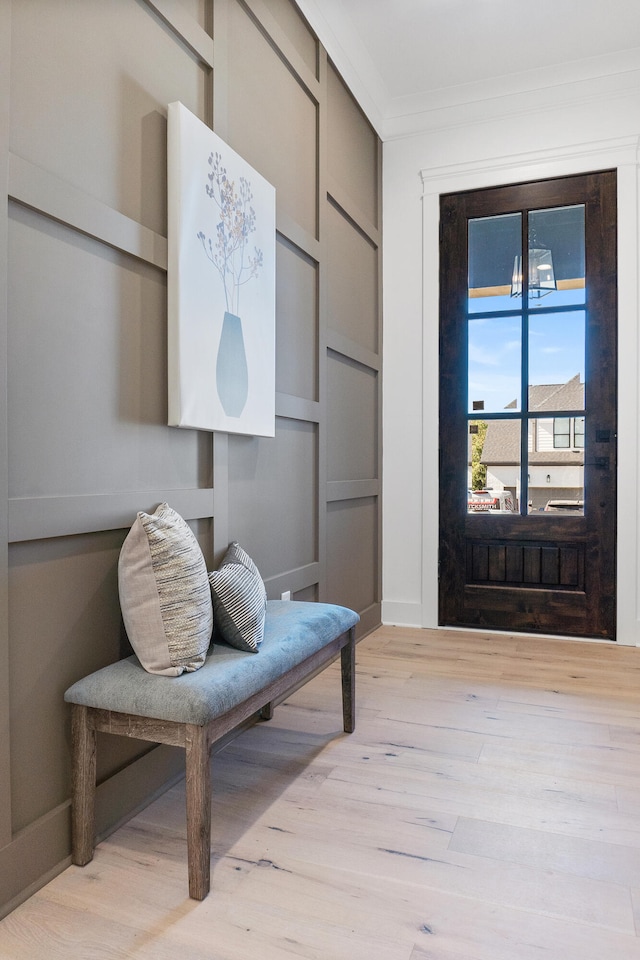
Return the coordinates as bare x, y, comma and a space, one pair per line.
498, 319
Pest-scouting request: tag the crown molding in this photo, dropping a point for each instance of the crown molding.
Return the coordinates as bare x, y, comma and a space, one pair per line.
509, 104
345, 49
532, 91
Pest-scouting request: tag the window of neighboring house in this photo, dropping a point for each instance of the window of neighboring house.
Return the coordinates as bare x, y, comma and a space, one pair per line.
562, 432
568, 432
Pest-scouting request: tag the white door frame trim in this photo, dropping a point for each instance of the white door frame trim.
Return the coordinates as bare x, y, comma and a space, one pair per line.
621, 154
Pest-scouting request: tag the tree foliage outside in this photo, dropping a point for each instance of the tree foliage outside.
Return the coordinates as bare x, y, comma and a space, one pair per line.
478, 470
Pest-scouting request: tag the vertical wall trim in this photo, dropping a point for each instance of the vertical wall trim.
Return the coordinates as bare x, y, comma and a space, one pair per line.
379, 412
430, 401
5, 759
323, 315
218, 120
628, 539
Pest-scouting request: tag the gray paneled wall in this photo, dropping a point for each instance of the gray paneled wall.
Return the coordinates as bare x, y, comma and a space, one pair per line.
83, 428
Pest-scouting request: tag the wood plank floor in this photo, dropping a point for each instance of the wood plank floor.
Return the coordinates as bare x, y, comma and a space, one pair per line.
486, 808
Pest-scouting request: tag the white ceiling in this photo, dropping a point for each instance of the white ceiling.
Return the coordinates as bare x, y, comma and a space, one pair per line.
405, 59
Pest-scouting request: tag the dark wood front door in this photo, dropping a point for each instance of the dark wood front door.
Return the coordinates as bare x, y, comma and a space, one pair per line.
528, 360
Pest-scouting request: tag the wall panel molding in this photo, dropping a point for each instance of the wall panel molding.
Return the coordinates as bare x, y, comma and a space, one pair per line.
354, 335
346, 347
46, 842
297, 408
352, 489
278, 39
377, 617
45, 193
5, 85
37, 518
99, 370
34, 856
297, 235
343, 202
294, 580
185, 28
323, 314
370, 618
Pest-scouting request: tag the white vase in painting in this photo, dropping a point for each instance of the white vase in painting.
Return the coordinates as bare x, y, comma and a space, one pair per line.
232, 377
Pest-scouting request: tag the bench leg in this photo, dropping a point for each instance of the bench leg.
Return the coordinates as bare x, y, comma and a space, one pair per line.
348, 665
267, 711
198, 793
83, 820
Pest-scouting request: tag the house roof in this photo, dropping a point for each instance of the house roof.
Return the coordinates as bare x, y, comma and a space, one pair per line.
502, 441
557, 396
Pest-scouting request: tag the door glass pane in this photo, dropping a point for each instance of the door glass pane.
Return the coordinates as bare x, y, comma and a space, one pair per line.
493, 489
494, 363
556, 466
552, 359
494, 245
557, 361
556, 257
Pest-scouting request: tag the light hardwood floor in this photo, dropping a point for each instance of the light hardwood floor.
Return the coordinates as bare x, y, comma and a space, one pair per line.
486, 808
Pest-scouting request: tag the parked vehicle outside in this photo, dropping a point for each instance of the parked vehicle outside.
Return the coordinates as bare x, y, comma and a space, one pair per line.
490, 501
567, 507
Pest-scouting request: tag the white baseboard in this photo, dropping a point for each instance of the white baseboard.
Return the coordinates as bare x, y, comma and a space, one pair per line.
399, 614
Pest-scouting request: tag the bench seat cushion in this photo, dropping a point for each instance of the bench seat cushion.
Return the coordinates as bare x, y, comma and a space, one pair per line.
294, 630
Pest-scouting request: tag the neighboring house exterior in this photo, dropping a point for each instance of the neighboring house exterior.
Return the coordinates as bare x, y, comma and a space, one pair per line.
556, 447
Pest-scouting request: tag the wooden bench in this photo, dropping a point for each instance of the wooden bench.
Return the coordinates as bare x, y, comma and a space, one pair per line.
195, 710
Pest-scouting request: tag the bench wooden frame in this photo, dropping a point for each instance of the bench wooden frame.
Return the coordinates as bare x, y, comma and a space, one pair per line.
197, 742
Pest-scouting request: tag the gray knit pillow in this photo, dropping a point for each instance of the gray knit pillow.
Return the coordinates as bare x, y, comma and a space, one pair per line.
239, 600
164, 593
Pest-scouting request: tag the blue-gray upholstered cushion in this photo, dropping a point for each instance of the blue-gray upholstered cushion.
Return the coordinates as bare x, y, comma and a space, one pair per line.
293, 631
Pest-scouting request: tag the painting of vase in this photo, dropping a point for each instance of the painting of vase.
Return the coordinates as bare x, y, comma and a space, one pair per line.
221, 284
232, 376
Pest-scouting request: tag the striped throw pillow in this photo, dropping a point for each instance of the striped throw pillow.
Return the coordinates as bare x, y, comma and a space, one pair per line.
164, 593
239, 600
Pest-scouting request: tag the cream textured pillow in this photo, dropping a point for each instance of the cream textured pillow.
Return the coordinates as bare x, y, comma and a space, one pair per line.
239, 600
165, 594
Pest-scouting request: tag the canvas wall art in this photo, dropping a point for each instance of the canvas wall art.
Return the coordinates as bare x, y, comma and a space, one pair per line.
221, 284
